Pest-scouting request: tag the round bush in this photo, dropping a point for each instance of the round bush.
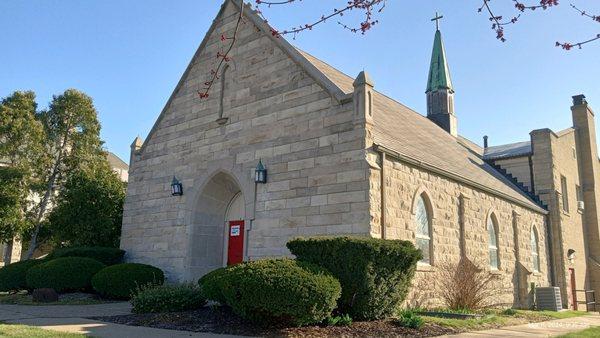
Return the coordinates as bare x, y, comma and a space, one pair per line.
375, 274
119, 281
64, 274
108, 256
12, 276
280, 291
211, 285
167, 298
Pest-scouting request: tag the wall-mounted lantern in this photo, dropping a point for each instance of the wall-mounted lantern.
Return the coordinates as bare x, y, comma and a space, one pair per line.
571, 255
176, 187
260, 174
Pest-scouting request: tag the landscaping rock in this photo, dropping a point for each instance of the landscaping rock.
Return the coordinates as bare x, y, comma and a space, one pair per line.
45, 295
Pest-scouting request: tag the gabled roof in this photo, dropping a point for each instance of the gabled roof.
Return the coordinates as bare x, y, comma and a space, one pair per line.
507, 150
398, 128
285, 46
413, 136
115, 161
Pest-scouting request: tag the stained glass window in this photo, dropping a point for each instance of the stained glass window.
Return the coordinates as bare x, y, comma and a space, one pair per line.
493, 243
535, 253
423, 236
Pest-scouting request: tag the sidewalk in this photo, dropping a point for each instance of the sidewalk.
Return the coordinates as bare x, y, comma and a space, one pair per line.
543, 329
69, 318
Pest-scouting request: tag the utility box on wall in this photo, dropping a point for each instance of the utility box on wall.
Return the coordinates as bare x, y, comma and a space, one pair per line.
548, 298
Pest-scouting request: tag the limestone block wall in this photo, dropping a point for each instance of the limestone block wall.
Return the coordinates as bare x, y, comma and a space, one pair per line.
556, 156
312, 149
404, 182
519, 168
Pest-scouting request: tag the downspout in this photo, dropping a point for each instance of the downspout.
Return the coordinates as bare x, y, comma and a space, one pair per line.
383, 194
550, 250
531, 172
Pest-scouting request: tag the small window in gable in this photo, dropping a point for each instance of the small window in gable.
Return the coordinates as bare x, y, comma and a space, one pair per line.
492, 229
423, 228
222, 119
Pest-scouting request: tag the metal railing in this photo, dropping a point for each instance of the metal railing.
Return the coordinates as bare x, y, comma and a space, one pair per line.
590, 300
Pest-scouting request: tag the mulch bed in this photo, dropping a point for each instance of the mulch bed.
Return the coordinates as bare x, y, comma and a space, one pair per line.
221, 320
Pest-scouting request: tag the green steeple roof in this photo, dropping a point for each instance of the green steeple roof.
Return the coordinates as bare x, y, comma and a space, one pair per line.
439, 73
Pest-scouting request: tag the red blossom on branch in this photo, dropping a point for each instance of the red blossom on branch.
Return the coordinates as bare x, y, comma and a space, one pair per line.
569, 45
498, 22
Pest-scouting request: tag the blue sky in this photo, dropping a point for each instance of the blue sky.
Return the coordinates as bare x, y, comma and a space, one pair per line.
129, 54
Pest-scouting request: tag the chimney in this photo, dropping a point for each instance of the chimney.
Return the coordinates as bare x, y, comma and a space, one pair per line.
485, 142
579, 100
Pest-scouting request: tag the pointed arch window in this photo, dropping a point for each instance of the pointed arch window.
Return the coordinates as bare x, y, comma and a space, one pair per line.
492, 228
423, 228
535, 250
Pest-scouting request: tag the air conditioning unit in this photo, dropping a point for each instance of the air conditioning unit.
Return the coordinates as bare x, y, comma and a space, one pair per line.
548, 298
580, 205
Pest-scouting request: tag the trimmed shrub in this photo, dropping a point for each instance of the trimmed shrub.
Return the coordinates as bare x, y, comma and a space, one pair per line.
375, 274
119, 281
211, 285
12, 276
280, 291
167, 298
108, 256
64, 274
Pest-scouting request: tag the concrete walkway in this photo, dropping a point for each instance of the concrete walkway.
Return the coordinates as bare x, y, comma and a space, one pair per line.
543, 329
70, 318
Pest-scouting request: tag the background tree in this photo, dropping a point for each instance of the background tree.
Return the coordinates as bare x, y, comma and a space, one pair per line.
22, 152
13, 196
89, 208
73, 142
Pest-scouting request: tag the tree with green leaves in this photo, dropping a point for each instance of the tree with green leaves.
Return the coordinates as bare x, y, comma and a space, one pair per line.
89, 208
13, 195
73, 141
22, 156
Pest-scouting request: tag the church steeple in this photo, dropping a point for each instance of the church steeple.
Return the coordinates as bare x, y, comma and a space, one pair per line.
440, 93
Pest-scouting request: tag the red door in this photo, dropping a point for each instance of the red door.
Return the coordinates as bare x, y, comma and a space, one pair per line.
573, 288
235, 248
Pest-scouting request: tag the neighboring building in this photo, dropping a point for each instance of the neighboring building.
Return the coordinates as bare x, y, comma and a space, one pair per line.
119, 166
344, 159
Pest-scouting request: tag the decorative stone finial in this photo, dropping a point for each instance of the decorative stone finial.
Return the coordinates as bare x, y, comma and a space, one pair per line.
363, 78
137, 143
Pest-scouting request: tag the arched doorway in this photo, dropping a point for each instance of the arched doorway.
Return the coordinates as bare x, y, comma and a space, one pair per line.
217, 224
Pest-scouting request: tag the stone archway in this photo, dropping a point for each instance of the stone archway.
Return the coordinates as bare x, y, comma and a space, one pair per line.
220, 200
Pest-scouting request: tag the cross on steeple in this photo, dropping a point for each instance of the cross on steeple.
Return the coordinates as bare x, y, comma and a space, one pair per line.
437, 20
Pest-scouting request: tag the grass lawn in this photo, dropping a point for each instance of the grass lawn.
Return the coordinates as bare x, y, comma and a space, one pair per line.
591, 332
25, 299
549, 315
14, 330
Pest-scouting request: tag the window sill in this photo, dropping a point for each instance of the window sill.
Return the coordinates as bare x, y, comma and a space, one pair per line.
537, 274
496, 272
222, 120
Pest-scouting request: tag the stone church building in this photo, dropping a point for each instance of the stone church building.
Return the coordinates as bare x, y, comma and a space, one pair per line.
344, 159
